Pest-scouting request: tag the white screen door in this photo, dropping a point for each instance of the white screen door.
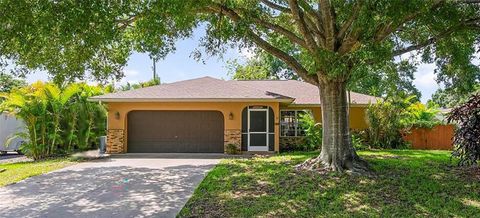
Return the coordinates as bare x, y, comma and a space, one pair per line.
258, 129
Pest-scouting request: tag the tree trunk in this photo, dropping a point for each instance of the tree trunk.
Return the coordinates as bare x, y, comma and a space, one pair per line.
337, 152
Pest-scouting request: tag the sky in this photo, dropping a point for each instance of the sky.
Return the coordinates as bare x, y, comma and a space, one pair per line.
181, 66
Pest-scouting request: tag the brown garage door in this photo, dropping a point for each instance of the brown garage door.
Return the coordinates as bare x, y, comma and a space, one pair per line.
175, 131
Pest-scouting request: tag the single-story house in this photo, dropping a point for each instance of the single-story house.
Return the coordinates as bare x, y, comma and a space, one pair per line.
206, 114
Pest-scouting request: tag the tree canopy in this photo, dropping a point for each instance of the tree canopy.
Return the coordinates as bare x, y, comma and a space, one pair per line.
261, 66
334, 37
328, 43
9, 82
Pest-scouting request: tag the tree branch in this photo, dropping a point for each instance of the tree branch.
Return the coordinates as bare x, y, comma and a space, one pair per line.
468, 23
314, 22
275, 27
328, 20
414, 47
289, 60
275, 6
389, 28
279, 29
469, 1
348, 23
298, 16
312, 12
317, 32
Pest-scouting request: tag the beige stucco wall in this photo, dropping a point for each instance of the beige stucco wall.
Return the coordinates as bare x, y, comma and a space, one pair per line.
357, 115
358, 119
225, 107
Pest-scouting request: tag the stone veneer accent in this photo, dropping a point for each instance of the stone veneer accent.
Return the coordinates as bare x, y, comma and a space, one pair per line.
286, 143
115, 141
233, 136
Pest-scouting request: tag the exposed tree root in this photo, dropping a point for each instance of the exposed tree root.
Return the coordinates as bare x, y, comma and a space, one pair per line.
356, 166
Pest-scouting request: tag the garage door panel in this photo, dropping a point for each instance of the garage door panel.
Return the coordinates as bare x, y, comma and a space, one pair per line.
175, 131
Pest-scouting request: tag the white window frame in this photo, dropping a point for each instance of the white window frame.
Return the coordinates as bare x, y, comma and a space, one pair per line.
296, 123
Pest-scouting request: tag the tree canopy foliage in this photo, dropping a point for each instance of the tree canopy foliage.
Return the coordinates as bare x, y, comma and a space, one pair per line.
130, 86
329, 36
261, 65
452, 97
9, 82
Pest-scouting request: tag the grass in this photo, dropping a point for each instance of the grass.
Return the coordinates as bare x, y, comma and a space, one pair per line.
15, 172
408, 183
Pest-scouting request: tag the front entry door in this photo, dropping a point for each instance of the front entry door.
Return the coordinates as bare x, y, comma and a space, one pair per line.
258, 129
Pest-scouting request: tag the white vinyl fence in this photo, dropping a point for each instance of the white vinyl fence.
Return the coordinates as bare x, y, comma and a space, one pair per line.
9, 125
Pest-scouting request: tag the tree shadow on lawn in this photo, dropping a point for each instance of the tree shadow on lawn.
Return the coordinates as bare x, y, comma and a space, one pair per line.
114, 191
416, 185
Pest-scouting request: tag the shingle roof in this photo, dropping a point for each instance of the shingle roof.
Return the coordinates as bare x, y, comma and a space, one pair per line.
302, 92
201, 89
211, 89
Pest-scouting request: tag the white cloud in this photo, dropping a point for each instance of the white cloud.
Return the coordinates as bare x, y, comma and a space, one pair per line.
425, 77
129, 72
425, 81
131, 76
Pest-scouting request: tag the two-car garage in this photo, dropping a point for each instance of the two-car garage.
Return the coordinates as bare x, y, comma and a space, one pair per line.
175, 132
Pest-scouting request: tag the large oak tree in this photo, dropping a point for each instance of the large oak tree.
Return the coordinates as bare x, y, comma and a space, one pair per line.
327, 43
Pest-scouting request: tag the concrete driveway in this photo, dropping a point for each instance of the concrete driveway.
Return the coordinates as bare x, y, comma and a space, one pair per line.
122, 186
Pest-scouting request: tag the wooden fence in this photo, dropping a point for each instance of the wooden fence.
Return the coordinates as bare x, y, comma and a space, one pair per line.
438, 138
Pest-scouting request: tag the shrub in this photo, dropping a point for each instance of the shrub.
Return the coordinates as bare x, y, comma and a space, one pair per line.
232, 149
467, 135
313, 132
58, 120
390, 119
385, 125
358, 140
417, 115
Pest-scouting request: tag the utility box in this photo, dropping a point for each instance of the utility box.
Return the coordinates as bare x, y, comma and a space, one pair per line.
103, 144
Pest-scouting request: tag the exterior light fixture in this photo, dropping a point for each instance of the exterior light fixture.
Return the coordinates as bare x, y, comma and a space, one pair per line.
117, 115
230, 116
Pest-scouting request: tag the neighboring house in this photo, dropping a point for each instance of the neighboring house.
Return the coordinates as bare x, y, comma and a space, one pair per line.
442, 114
9, 126
206, 114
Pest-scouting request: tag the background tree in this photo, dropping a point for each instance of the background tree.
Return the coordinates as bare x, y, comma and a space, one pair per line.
261, 66
130, 86
327, 43
8, 82
452, 97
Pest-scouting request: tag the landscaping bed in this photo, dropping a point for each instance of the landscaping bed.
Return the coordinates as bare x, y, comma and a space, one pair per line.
408, 183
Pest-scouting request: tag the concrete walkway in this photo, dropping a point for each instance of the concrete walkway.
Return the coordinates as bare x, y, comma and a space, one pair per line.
120, 186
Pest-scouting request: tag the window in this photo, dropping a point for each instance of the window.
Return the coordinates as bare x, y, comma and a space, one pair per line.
290, 124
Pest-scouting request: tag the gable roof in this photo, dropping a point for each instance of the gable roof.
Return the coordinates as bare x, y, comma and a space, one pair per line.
211, 89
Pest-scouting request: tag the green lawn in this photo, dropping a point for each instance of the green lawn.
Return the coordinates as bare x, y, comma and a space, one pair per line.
15, 172
409, 183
